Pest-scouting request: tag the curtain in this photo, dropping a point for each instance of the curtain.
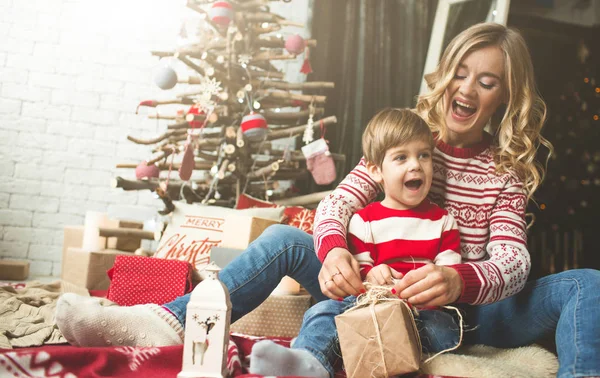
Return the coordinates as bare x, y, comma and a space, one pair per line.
374, 51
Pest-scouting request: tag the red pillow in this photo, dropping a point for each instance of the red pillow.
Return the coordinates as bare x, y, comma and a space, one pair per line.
300, 217
247, 202
296, 216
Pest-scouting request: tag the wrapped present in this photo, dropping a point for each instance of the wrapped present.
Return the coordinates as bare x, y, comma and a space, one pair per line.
73, 238
277, 316
140, 279
14, 269
88, 269
379, 339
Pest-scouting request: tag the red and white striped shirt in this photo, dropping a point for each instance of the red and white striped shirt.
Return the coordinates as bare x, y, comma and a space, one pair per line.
489, 209
403, 239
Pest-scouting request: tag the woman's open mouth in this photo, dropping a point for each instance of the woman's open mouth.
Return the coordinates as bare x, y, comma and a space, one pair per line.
462, 110
413, 184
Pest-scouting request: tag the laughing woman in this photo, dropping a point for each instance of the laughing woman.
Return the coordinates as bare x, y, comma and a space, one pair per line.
484, 180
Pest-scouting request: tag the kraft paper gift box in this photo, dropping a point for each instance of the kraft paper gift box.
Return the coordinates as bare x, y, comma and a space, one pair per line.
277, 316
88, 269
73, 238
14, 270
362, 349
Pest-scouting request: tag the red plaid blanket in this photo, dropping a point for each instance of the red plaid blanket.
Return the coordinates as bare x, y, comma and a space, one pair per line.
69, 362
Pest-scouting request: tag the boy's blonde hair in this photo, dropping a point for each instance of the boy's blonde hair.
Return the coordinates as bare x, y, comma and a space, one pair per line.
390, 128
517, 128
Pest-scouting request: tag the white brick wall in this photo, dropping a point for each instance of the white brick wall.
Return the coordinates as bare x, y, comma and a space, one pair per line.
71, 75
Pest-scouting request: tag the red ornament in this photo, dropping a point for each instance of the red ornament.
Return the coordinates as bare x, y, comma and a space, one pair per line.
143, 170
295, 44
195, 109
221, 13
188, 163
306, 67
254, 126
148, 103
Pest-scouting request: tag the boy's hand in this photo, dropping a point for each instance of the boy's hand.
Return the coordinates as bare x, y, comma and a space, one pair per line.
382, 274
430, 285
340, 275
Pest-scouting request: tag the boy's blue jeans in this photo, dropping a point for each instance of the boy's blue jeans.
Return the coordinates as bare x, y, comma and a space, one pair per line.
565, 304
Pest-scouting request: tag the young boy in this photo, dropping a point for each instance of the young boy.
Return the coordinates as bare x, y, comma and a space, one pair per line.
388, 239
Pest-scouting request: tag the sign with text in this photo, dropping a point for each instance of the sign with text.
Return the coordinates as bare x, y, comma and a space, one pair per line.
191, 234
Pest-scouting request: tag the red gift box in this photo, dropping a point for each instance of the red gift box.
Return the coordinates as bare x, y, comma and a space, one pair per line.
140, 279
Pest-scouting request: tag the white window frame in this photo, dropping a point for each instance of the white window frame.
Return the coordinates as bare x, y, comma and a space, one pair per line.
498, 13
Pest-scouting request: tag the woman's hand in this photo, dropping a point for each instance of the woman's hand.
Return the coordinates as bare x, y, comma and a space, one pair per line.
382, 274
340, 275
430, 285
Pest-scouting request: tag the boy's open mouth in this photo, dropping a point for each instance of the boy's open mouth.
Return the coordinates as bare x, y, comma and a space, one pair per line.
414, 184
462, 109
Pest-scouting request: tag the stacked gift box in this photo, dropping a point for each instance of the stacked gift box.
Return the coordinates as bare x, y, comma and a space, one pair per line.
194, 236
90, 250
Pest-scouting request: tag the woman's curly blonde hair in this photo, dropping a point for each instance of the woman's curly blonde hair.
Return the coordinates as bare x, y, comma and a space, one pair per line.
517, 130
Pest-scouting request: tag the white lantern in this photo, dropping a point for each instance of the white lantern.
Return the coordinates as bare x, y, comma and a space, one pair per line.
207, 328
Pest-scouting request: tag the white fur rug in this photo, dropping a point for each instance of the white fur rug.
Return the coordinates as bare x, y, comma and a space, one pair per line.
484, 361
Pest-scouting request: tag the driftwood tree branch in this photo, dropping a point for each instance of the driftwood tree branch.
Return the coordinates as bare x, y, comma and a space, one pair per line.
159, 138
297, 130
289, 117
293, 86
292, 96
274, 42
129, 232
127, 185
202, 165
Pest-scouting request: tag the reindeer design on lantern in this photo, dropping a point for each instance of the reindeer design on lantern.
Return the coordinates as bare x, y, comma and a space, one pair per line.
202, 343
207, 328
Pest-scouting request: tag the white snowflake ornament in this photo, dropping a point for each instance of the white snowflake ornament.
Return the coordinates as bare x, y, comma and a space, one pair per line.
244, 59
209, 87
309, 133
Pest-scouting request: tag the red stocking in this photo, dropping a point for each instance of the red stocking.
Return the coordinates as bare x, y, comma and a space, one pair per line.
319, 162
322, 168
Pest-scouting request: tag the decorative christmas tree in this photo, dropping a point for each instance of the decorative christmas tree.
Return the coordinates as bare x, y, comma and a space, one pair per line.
226, 137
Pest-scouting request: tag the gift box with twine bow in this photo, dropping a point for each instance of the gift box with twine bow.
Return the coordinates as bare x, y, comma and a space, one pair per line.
378, 337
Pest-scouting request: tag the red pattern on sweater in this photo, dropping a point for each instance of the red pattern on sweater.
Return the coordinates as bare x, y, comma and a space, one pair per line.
403, 239
488, 207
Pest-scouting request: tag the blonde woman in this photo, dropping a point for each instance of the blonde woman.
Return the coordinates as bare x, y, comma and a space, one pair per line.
483, 180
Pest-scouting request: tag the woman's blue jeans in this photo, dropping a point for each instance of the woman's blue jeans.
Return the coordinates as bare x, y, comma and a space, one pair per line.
566, 304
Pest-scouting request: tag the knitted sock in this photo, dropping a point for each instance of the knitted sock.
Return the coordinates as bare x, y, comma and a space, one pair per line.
83, 321
268, 358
